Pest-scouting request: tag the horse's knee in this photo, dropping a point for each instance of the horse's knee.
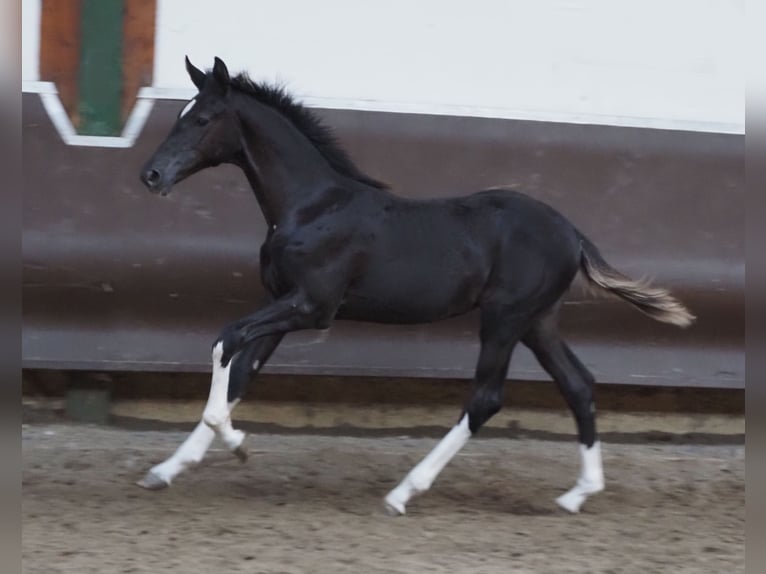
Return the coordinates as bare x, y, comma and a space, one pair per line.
313, 314
226, 346
483, 405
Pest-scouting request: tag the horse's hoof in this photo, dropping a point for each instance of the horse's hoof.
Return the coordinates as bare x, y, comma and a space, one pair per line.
153, 482
393, 507
241, 451
570, 502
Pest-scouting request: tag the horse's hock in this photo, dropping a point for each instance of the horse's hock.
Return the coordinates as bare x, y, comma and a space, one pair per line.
118, 280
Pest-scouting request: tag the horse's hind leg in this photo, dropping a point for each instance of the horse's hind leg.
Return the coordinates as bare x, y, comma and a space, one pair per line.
500, 331
576, 385
233, 379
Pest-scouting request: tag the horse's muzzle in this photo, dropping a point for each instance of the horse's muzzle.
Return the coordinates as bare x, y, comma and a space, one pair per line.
153, 180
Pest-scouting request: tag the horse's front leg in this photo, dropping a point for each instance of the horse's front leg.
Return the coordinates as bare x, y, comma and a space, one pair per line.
287, 314
193, 449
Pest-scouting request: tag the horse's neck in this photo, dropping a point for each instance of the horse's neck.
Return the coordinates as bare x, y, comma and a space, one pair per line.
281, 164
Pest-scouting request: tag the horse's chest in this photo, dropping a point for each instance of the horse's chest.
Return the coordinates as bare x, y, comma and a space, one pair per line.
282, 257
273, 275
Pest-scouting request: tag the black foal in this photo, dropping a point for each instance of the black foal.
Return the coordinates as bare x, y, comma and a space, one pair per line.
340, 245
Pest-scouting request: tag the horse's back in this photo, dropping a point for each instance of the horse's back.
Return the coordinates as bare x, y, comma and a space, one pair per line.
537, 249
434, 259
528, 224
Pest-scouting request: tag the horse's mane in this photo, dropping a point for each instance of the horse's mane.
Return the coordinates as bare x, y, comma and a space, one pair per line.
307, 123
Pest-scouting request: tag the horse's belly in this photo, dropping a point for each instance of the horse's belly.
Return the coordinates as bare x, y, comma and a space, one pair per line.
415, 298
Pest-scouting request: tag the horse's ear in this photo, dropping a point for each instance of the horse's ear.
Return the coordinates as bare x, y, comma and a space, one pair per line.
197, 76
221, 74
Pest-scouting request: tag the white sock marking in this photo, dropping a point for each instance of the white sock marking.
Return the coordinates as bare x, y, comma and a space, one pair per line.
231, 437
188, 107
425, 472
216, 413
216, 420
193, 449
591, 479
190, 453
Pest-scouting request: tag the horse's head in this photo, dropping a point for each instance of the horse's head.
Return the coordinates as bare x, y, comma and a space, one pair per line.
204, 135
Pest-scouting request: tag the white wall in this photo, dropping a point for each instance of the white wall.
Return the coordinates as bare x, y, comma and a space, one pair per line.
30, 40
656, 63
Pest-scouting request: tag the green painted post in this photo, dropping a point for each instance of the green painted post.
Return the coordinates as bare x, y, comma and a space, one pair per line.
88, 405
100, 80
88, 397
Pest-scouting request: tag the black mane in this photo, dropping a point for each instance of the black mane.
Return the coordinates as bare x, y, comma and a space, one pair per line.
307, 123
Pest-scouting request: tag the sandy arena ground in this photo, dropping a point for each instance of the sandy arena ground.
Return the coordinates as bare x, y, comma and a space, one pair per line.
312, 504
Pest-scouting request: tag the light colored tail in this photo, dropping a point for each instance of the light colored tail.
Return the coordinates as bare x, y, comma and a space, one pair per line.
653, 301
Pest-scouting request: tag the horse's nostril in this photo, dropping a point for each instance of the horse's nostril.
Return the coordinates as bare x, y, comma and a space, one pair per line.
151, 177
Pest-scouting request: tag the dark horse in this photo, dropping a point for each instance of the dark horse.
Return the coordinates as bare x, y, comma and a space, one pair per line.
341, 245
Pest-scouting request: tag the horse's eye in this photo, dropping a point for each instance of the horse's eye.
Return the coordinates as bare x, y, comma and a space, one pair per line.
202, 120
